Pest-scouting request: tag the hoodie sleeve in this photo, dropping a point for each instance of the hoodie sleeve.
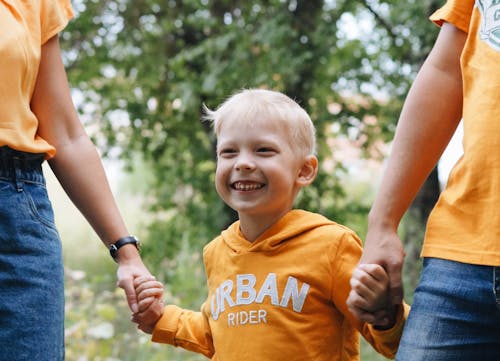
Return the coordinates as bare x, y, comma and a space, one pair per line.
347, 256
185, 328
386, 342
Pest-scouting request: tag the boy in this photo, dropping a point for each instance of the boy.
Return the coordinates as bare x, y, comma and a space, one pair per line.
278, 278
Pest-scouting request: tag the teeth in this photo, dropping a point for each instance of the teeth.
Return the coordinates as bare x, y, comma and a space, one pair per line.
247, 187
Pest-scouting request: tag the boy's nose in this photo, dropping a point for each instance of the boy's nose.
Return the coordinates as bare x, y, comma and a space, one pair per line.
244, 162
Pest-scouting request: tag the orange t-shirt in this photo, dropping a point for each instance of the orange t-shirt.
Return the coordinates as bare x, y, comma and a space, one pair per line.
465, 224
26, 26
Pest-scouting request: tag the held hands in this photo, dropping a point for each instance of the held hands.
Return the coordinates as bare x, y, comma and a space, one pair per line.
129, 268
369, 299
150, 303
383, 247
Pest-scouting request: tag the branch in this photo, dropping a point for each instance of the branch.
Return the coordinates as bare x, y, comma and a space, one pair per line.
379, 19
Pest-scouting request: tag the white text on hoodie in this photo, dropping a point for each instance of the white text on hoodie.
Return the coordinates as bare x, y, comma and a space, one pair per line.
247, 294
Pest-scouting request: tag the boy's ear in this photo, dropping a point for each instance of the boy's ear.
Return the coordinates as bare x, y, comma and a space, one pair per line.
308, 171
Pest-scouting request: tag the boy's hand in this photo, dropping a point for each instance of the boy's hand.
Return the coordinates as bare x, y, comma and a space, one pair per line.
150, 304
369, 299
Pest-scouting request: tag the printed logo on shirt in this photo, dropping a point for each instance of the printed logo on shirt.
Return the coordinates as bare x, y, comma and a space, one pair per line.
489, 31
245, 293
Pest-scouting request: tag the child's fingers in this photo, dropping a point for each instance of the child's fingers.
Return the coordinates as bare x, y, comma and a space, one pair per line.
148, 317
357, 306
356, 300
369, 288
376, 271
362, 283
149, 293
147, 285
139, 280
361, 308
143, 304
369, 280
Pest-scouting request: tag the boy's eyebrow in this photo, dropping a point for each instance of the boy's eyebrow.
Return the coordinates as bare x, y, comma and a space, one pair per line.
219, 147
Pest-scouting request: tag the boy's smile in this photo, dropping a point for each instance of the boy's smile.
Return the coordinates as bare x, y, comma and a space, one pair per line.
246, 186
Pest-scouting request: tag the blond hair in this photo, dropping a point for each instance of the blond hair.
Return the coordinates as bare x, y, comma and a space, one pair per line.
250, 104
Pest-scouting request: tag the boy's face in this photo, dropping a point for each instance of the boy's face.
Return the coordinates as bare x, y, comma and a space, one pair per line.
257, 169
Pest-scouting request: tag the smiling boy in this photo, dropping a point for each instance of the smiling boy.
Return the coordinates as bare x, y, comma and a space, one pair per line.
278, 278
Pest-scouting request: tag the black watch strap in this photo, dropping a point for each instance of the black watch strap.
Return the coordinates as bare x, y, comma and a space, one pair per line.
114, 247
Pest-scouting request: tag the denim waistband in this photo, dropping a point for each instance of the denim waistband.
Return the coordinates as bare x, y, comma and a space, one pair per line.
21, 166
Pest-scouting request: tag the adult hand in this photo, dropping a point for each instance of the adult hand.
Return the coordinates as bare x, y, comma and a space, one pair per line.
128, 270
384, 247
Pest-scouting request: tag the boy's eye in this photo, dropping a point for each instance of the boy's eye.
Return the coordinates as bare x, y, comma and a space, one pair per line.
226, 152
266, 150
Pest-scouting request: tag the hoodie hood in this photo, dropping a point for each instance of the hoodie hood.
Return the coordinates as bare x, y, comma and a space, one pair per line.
292, 224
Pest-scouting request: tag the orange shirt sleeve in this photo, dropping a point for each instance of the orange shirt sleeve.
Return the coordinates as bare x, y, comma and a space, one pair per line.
54, 16
454, 12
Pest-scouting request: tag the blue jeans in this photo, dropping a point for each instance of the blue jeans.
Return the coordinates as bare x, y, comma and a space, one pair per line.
455, 314
31, 270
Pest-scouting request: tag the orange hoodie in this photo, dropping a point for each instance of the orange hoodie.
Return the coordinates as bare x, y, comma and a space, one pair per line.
282, 297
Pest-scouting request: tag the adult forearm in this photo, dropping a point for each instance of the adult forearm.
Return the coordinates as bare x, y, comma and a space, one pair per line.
428, 120
79, 169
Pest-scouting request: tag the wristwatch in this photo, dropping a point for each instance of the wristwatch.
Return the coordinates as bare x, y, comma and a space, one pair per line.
114, 247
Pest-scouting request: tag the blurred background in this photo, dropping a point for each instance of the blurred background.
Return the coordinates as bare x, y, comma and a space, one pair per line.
140, 72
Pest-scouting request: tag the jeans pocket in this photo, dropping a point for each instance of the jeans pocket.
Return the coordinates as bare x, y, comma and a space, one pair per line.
39, 204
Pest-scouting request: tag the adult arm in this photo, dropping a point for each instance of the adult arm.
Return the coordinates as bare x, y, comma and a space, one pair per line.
427, 122
78, 166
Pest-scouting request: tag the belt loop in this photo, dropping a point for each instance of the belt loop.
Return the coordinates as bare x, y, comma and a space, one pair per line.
16, 162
